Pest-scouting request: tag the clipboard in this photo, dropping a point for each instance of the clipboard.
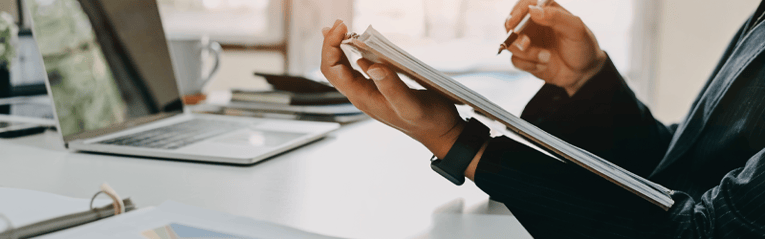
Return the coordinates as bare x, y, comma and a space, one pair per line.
373, 46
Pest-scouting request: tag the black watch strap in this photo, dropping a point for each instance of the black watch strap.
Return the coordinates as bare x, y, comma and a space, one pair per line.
453, 165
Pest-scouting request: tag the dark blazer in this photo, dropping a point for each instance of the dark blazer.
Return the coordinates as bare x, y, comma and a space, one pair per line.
714, 160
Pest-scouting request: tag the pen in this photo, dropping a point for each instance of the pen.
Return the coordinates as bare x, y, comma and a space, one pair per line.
513, 35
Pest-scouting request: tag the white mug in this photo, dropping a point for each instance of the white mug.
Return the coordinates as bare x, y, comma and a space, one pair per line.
188, 55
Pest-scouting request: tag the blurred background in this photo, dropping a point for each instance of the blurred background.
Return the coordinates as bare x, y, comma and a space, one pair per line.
667, 49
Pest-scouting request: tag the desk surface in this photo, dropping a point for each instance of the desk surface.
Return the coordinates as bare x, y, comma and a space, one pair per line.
364, 180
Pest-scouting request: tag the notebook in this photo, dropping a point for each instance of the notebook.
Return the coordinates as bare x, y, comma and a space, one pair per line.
375, 47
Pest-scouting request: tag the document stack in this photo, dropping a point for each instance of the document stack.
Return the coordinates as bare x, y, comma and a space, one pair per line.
293, 98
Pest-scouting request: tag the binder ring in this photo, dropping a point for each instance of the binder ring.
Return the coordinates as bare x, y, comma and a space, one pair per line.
11, 231
119, 206
93, 199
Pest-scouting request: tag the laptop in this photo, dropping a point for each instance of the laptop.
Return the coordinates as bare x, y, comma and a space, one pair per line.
113, 88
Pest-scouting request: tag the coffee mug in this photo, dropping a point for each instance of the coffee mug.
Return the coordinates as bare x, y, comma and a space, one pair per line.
188, 56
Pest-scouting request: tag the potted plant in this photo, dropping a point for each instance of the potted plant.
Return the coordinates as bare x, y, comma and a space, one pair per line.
8, 37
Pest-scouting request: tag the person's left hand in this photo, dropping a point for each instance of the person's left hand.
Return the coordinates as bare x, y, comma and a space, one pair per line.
425, 116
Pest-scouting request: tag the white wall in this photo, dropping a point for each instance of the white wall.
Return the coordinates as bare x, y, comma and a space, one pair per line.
305, 39
692, 36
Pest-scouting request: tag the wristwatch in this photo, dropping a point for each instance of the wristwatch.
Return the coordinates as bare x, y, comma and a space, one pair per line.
453, 165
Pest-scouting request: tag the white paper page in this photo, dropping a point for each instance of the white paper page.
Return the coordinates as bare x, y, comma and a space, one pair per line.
24, 207
501, 129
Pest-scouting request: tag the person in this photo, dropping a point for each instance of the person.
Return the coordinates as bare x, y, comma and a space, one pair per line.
714, 161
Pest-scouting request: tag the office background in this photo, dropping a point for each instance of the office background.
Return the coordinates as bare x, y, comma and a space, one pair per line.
666, 48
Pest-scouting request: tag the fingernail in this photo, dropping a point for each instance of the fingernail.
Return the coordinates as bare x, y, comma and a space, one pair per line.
325, 30
376, 73
337, 22
544, 56
541, 67
537, 10
522, 43
507, 21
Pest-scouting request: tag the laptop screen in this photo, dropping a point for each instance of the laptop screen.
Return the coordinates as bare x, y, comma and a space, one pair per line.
107, 63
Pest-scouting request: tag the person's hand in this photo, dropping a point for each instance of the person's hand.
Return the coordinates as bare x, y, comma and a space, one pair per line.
556, 46
423, 115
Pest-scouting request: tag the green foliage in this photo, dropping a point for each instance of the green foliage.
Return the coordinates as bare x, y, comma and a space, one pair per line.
8, 39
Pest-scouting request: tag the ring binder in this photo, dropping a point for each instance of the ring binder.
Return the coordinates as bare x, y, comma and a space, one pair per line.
10, 226
67, 221
119, 206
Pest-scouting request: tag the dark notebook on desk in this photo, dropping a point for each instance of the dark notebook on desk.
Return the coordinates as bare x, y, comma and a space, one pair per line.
373, 46
291, 90
293, 97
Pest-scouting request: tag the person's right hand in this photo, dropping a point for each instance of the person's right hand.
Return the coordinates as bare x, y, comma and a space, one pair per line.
556, 46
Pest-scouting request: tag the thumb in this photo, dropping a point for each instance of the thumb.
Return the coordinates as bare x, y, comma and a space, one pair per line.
395, 91
559, 20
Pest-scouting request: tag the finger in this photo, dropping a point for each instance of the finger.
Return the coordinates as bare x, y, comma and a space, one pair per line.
400, 96
521, 44
533, 53
519, 11
558, 19
331, 53
325, 30
383, 112
334, 64
507, 23
528, 66
337, 69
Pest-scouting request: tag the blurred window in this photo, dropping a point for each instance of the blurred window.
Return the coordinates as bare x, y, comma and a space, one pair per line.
450, 33
244, 22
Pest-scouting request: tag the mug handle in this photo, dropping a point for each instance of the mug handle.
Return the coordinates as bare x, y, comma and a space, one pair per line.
217, 50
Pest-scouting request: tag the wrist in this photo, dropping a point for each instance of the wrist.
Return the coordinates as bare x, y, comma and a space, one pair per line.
470, 171
591, 71
462, 152
441, 144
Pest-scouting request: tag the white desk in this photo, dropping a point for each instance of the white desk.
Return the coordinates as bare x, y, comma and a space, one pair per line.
365, 180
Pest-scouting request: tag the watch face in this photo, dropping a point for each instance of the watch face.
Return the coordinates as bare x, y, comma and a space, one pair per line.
456, 178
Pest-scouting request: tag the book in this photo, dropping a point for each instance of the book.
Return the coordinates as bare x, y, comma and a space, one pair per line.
339, 118
346, 108
289, 98
375, 47
291, 90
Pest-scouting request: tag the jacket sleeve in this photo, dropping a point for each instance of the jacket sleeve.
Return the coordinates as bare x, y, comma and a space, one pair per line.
564, 200
557, 200
605, 118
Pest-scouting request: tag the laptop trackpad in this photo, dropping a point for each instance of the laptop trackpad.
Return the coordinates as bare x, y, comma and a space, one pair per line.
259, 138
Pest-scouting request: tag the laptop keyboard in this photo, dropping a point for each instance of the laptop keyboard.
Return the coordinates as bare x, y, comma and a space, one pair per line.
177, 135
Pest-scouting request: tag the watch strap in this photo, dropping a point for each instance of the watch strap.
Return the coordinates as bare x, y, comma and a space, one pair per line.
469, 142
